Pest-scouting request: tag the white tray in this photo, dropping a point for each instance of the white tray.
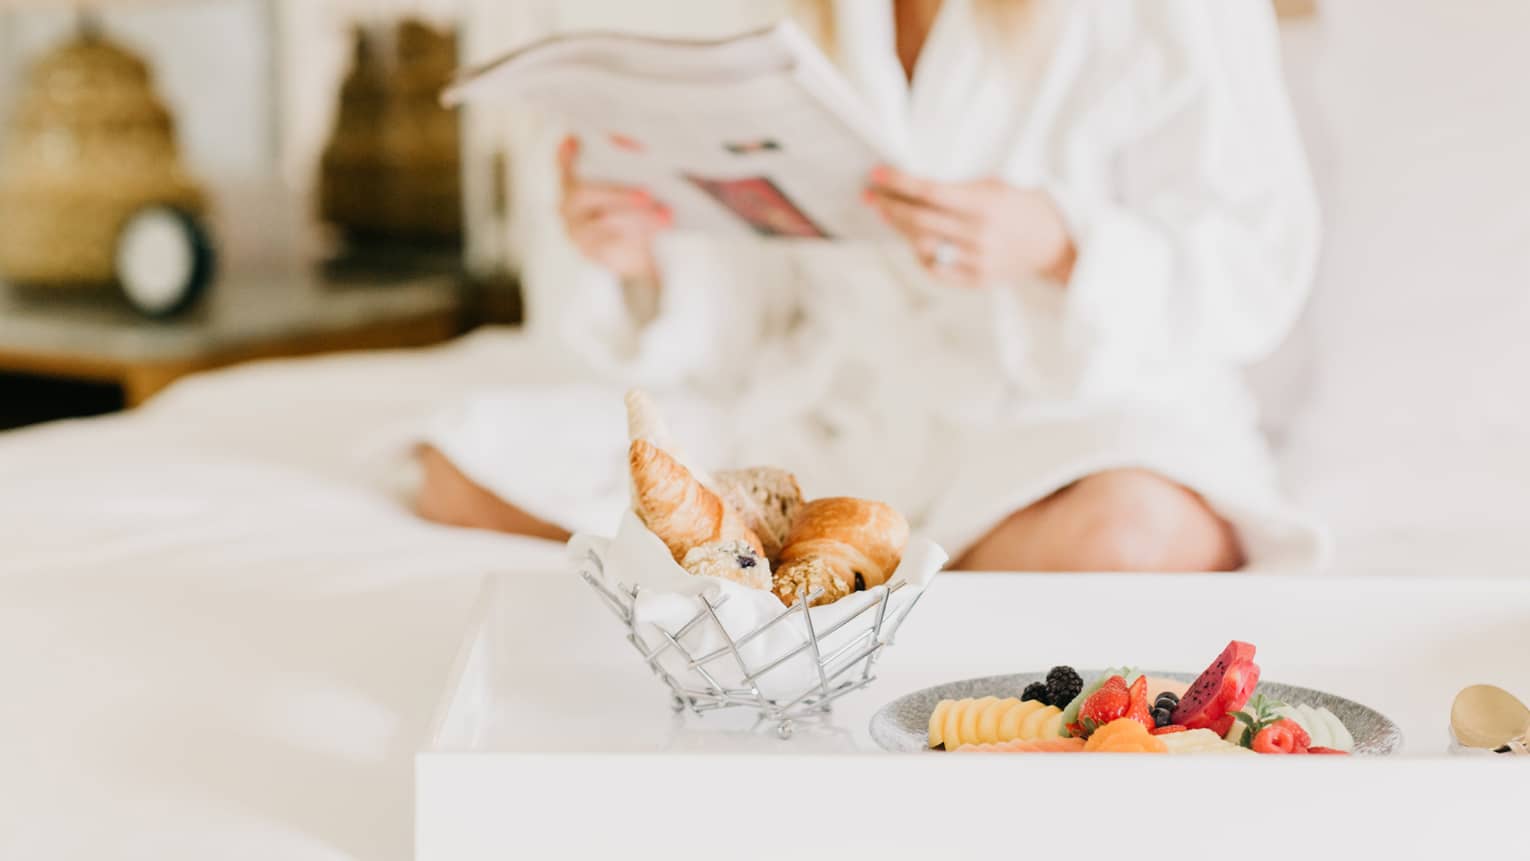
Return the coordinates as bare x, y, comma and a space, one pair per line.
553, 738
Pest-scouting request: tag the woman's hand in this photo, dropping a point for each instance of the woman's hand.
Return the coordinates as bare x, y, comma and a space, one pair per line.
612, 225
975, 232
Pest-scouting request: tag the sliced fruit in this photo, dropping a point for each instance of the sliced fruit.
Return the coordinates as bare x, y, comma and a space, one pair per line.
1028, 745
1036, 721
1200, 742
1224, 687
938, 720
1313, 722
1339, 737
1113, 700
1276, 738
1327, 751
1124, 735
969, 719
1053, 725
1138, 708
1071, 710
1014, 717
1174, 728
987, 729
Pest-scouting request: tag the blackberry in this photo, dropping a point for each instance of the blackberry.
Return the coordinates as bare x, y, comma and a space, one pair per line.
1036, 691
1063, 684
1166, 700
1162, 717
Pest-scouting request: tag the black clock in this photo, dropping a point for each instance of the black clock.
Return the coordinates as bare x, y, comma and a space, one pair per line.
164, 261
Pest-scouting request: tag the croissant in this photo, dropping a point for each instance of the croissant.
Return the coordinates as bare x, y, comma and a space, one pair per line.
767, 498
678, 508
644, 421
842, 544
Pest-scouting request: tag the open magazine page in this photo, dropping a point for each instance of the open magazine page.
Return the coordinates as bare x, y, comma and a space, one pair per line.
735, 137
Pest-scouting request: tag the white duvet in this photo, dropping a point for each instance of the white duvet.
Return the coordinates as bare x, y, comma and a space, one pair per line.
222, 632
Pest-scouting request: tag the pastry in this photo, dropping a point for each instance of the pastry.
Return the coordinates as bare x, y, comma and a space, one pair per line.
804, 576
644, 421
678, 508
860, 543
768, 498
729, 560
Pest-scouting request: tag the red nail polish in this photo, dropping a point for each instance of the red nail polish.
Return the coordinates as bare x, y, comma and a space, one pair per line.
879, 173
868, 196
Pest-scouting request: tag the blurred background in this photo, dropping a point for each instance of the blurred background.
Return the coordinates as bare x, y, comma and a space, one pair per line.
347, 210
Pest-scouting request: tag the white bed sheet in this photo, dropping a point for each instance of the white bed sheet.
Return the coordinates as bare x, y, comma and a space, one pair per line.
222, 632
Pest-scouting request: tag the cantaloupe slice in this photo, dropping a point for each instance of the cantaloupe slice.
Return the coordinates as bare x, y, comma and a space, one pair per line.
1031, 727
988, 722
938, 721
1009, 725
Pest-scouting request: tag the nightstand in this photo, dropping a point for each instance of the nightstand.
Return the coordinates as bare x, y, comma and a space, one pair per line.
92, 336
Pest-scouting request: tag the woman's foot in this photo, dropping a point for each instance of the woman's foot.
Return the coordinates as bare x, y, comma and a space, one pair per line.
448, 497
1119, 520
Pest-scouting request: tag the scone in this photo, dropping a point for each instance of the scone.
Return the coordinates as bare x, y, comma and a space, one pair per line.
767, 498
734, 560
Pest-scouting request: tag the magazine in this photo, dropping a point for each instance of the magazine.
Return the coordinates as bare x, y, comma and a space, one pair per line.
758, 133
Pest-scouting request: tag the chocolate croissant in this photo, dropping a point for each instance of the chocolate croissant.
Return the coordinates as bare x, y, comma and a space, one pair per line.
678, 508
842, 545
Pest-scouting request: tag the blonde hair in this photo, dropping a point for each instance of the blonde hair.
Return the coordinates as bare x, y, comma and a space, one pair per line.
1012, 21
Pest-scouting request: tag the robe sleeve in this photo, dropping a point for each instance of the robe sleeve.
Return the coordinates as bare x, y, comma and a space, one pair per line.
1200, 246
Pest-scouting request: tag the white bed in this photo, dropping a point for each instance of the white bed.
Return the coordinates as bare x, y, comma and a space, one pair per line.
222, 632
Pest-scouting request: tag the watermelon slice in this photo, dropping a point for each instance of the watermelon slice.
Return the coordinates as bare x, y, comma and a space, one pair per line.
1222, 689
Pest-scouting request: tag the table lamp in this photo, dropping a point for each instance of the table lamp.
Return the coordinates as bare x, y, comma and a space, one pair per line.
92, 188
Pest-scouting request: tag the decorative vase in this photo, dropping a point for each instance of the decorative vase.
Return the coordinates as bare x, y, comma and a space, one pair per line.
90, 145
392, 168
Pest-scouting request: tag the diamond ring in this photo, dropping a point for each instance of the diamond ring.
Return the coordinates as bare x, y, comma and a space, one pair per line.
944, 255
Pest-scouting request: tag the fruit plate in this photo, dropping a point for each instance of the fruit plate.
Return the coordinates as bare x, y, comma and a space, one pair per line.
902, 726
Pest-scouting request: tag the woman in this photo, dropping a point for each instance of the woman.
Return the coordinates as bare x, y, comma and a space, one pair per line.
1106, 214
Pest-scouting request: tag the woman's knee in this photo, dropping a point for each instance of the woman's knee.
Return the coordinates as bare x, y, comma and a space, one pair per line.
1134, 520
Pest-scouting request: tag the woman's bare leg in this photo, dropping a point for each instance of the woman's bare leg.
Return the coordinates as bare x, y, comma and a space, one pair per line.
1119, 520
451, 498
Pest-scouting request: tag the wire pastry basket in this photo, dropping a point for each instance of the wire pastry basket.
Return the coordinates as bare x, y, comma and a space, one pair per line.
843, 654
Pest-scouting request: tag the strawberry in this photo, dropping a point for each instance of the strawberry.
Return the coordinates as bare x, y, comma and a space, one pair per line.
1138, 708
1328, 751
1302, 739
1276, 738
1110, 702
1171, 728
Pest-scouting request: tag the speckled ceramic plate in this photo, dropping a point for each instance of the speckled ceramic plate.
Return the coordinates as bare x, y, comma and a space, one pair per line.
902, 726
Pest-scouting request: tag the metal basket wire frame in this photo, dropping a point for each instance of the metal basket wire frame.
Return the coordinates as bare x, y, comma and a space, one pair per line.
845, 669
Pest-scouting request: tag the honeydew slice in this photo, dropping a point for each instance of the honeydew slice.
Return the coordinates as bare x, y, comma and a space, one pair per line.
1316, 725
1014, 718
938, 722
1339, 734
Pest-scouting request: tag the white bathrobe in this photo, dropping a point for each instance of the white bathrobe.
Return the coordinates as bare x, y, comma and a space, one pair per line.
1161, 128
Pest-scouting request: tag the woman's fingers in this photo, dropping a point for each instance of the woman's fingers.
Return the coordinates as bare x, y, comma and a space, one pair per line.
953, 262
568, 152
957, 198
915, 221
588, 200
